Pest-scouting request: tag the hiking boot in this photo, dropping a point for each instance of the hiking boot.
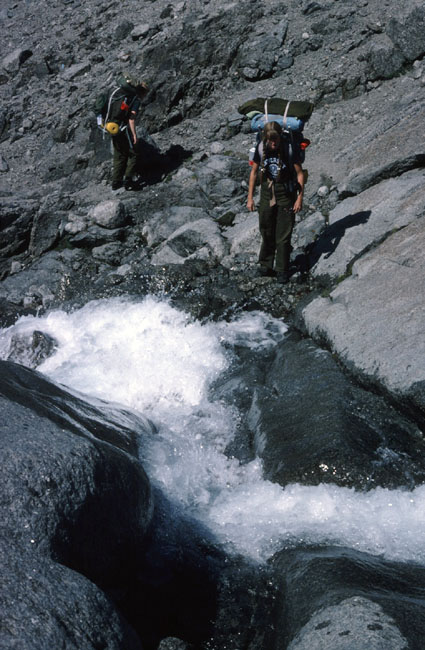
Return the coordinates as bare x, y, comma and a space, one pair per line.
132, 185
283, 277
116, 185
266, 272
129, 184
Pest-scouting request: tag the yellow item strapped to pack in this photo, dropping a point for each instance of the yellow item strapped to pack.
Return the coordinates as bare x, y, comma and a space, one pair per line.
112, 128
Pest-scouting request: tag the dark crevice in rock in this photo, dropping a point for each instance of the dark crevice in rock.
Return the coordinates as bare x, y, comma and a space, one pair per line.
392, 170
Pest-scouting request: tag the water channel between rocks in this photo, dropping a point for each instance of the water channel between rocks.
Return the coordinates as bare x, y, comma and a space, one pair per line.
154, 359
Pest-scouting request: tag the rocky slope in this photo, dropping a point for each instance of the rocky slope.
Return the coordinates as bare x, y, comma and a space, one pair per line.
358, 274
361, 63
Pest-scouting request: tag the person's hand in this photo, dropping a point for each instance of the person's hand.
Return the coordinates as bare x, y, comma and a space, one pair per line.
298, 204
250, 205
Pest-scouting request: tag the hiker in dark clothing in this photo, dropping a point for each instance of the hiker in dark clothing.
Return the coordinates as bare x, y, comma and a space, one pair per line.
125, 141
281, 196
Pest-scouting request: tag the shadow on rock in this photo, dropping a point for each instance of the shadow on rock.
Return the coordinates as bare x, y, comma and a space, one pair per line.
330, 239
188, 588
153, 165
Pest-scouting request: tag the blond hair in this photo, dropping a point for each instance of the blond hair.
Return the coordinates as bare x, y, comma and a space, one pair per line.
272, 131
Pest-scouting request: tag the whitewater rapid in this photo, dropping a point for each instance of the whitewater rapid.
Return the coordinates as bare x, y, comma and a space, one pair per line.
155, 359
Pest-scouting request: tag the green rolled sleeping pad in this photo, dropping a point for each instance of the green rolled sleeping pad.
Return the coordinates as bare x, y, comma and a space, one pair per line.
299, 109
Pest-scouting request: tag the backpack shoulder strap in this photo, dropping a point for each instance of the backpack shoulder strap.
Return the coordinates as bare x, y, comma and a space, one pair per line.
260, 149
112, 97
287, 148
285, 115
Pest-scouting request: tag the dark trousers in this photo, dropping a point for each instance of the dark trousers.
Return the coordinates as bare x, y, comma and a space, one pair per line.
125, 158
276, 224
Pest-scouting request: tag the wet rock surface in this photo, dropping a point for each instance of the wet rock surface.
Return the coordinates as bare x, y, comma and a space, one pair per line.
70, 478
351, 609
311, 424
90, 548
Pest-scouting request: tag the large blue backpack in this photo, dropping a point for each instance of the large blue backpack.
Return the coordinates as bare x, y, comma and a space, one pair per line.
292, 117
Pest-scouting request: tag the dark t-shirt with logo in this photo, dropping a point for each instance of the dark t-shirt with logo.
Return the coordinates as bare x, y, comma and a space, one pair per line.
272, 164
285, 189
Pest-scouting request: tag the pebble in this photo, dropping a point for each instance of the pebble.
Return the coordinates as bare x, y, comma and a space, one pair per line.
323, 191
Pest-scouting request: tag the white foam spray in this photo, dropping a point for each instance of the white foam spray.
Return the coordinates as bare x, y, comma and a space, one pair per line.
155, 359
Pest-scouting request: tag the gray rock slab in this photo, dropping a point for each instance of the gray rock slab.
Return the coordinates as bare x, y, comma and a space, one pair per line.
49, 271
198, 240
308, 230
12, 61
367, 138
243, 235
16, 221
109, 253
406, 31
47, 605
362, 221
4, 167
220, 177
355, 624
305, 390
45, 231
161, 225
330, 598
384, 58
390, 146
76, 70
97, 236
140, 31
375, 319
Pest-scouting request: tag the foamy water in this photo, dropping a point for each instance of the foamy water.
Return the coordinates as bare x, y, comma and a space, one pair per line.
153, 358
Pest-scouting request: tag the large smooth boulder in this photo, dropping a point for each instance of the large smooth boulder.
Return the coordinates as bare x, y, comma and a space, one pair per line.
311, 424
243, 236
76, 508
374, 319
220, 178
47, 605
406, 31
109, 214
352, 624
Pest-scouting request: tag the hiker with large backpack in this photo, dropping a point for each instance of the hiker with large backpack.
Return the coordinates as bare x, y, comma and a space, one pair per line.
117, 113
277, 158
281, 197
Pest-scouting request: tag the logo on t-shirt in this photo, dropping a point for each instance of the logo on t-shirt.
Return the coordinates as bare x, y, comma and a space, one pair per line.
272, 166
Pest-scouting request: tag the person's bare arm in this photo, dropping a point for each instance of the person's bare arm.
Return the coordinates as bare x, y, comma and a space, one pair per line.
251, 187
132, 127
300, 178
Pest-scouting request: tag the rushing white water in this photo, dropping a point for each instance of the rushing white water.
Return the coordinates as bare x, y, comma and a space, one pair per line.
155, 359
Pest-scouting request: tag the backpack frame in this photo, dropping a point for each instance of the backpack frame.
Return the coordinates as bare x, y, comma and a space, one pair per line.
115, 108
